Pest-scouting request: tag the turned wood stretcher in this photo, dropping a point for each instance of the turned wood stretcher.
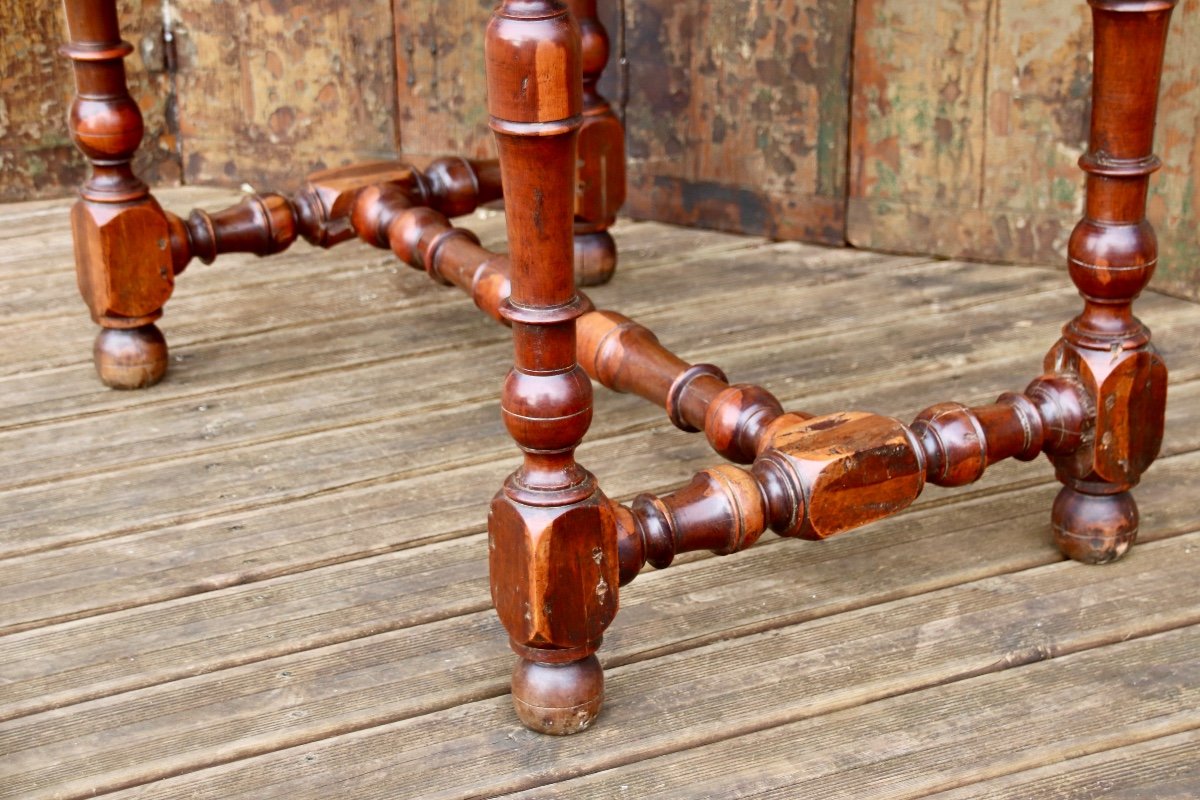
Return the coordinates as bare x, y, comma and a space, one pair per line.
559, 548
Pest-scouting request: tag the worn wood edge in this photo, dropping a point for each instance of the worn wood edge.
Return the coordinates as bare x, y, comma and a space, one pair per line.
1164, 768
485, 722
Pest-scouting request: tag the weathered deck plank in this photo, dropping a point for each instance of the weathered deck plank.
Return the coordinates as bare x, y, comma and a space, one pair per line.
268, 574
914, 744
58, 665
733, 689
170, 562
365, 458
1166, 768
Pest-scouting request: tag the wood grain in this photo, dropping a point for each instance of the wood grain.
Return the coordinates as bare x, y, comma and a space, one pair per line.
737, 115
968, 117
268, 92
1164, 768
730, 688
914, 744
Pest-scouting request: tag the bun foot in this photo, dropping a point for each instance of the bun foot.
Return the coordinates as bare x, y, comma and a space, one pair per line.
1094, 529
559, 699
595, 258
131, 358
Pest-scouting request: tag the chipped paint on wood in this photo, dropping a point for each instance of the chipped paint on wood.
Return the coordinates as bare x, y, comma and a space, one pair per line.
271, 90
737, 114
37, 158
966, 116
442, 106
986, 168
1174, 206
736, 117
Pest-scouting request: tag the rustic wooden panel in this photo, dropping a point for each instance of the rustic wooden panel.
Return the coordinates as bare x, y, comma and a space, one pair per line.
37, 158
442, 105
269, 91
737, 114
968, 117
1175, 193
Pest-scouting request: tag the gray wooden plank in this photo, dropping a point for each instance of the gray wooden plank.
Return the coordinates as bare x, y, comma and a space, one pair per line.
183, 560
257, 473
172, 426
797, 677
305, 285
287, 469
400, 315
1166, 768
126, 673
166, 641
907, 746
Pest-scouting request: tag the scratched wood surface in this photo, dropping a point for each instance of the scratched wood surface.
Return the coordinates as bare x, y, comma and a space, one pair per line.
968, 117
37, 158
267, 575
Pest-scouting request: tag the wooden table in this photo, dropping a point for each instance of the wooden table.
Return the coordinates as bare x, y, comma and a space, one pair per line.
559, 547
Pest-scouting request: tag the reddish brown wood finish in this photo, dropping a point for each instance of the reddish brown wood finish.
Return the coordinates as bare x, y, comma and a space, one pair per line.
322, 212
613, 350
627, 357
552, 534
1112, 255
816, 477
122, 252
600, 182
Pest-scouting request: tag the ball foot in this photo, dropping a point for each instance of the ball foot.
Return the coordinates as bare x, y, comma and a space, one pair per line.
595, 258
1094, 529
131, 358
558, 699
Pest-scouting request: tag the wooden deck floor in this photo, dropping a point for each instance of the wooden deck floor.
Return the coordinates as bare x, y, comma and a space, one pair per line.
266, 577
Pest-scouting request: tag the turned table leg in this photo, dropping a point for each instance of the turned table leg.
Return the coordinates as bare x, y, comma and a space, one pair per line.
122, 239
600, 187
552, 533
1112, 254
